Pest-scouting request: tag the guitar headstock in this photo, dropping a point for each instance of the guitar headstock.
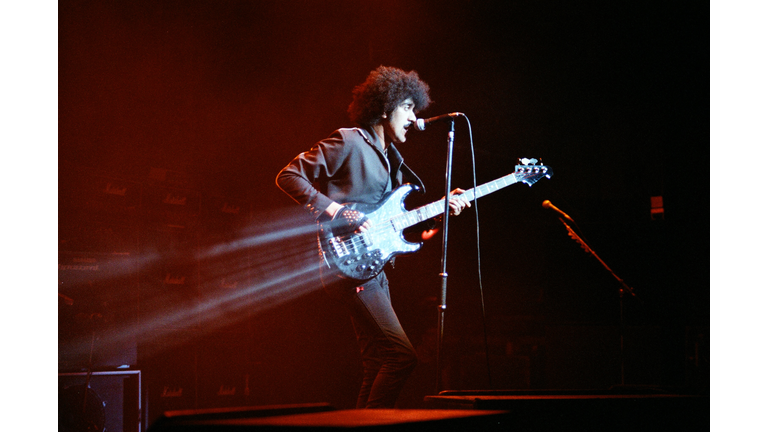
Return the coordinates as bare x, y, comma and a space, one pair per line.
529, 173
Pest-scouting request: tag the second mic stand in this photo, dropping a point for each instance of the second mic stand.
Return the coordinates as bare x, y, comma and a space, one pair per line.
623, 289
444, 261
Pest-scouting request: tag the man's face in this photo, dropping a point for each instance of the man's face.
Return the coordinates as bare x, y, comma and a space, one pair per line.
397, 124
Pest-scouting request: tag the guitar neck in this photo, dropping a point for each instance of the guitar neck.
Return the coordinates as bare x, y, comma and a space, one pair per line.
436, 208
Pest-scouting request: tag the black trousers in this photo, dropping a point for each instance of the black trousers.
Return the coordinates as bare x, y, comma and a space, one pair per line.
387, 354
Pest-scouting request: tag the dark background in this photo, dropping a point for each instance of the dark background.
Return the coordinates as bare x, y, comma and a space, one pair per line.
208, 100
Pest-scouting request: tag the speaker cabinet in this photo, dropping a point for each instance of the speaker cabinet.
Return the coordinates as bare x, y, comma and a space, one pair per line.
104, 401
98, 311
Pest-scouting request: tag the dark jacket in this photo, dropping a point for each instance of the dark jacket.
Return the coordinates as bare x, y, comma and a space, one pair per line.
348, 166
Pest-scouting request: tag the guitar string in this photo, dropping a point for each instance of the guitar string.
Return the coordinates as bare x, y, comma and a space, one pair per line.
357, 241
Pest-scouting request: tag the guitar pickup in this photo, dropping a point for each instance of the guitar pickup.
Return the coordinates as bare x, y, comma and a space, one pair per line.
338, 247
352, 245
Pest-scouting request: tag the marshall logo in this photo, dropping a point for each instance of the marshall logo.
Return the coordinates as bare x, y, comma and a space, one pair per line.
172, 392
81, 263
84, 260
115, 190
231, 209
78, 267
174, 280
175, 199
226, 391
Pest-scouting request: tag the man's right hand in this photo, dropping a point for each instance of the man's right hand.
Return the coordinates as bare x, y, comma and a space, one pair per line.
347, 221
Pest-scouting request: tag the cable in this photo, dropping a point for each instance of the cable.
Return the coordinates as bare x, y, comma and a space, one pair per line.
479, 266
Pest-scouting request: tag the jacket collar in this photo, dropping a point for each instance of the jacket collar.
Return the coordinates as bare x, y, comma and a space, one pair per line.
395, 156
373, 140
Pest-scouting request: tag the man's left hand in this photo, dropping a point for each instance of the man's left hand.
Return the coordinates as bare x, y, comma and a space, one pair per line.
458, 202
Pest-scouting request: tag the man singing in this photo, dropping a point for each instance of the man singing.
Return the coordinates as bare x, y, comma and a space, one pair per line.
362, 165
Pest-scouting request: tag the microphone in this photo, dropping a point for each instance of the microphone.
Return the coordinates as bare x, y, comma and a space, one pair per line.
547, 204
421, 124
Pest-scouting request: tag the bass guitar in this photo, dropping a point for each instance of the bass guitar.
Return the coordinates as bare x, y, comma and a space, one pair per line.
362, 256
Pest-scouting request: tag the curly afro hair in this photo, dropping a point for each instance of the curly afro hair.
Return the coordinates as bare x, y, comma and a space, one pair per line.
381, 93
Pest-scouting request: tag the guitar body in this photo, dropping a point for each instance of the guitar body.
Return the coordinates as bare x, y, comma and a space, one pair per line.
361, 256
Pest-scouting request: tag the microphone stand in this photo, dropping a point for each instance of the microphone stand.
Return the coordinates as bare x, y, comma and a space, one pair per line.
444, 261
624, 288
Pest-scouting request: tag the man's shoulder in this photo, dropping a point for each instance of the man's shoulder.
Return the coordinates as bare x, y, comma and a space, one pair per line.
354, 137
353, 133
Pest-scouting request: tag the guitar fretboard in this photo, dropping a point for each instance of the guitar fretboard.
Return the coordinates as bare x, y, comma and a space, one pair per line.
411, 218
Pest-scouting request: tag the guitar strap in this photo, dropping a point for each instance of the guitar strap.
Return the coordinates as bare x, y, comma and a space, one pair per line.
398, 164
